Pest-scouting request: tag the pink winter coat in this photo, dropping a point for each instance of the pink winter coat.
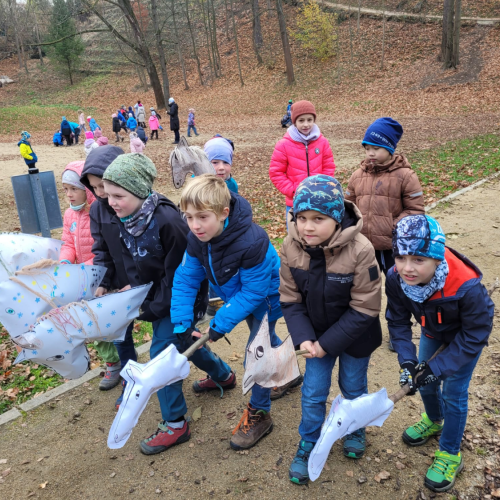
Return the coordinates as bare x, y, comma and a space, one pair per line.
76, 235
289, 165
136, 145
154, 124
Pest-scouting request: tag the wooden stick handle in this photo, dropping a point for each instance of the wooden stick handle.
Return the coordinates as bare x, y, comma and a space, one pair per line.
192, 349
303, 351
406, 388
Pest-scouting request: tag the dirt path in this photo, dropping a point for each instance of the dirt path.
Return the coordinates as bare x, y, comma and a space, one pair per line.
70, 455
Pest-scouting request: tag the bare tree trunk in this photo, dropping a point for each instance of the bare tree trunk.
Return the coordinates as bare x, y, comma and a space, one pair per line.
235, 33
37, 32
269, 9
179, 49
286, 45
195, 52
16, 33
383, 38
210, 3
447, 38
159, 48
227, 21
208, 33
257, 30
139, 69
456, 35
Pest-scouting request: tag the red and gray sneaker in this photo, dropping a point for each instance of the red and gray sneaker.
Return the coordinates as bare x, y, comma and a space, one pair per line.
111, 377
164, 438
208, 384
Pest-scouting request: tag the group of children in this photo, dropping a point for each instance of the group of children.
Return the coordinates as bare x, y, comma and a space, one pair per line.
326, 282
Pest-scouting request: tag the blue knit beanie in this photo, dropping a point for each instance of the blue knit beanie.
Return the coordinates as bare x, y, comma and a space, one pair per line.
219, 148
321, 193
418, 235
384, 133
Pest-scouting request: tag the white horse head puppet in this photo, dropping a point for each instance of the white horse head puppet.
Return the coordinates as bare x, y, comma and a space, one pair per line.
52, 340
143, 380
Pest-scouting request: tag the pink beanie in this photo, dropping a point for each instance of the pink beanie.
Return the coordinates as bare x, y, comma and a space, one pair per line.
97, 133
89, 135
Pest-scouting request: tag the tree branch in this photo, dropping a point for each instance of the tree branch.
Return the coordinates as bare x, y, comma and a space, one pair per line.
65, 37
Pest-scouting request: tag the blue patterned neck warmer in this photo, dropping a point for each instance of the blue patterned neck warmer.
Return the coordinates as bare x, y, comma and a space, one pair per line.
137, 223
422, 293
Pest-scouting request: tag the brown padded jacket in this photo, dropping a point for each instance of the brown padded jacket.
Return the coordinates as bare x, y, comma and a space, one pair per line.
384, 194
332, 293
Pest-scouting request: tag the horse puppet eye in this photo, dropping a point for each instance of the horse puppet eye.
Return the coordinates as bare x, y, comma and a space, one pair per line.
137, 394
259, 352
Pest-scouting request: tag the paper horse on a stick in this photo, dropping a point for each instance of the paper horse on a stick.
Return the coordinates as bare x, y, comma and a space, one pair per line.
36, 289
345, 417
143, 380
19, 249
269, 366
57, 339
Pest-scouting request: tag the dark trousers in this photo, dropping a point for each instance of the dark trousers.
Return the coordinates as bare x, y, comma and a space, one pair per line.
177, 136
125, 348
77, 134
385, 260
153, 132
69, 140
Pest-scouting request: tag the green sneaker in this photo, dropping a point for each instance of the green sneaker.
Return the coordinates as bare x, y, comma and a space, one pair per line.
419, 434
443, 471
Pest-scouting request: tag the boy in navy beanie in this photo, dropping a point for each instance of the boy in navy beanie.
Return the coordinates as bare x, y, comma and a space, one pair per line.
384, 188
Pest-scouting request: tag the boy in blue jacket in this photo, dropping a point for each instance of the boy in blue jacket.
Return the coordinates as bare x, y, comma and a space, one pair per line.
243, 269
131, 122
443, 290
57, 139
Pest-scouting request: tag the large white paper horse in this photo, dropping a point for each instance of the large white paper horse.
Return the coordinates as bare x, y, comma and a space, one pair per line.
52, 340
19, 249
143, 380
34, 291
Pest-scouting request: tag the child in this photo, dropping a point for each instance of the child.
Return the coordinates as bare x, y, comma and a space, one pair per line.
136, 145
93, 124
30, 158
81, 121
157, 114
141, 114
100, 139
154, 124
384, 188
57, 139
131, 111
89, 143
123, 121
220, 154
131, 122
117, 127
75, 128
153, 235
243, 269
330, 294
191, 123
66, 131
141, 134
107, 252
443, 291
302, 152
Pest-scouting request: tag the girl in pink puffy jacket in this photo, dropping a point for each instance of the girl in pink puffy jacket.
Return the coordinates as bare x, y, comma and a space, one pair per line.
136, 145
154, 124
302, 152
78, 241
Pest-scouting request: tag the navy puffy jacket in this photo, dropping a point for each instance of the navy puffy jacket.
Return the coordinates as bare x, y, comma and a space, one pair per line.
242, 267
461, 314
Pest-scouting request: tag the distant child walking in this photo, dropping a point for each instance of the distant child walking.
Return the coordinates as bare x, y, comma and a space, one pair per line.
302, 152
136, 145
442, 290
330, 293
30, 158
92, 124
191, 123
154, 124
89, 143
117, 127
81, 121
220, 154
384, 188
131, 122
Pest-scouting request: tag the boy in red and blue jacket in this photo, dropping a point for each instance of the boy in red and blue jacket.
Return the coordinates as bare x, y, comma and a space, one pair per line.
443, 290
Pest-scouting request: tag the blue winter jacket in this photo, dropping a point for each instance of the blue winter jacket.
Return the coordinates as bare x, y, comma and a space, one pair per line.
122, 118
74, 128
132, 123
242, 267
57, 139
93, 125
232, 185
461, 314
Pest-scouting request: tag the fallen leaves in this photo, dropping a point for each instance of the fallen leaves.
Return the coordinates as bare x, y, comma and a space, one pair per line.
350, 473
196, 414
382, 476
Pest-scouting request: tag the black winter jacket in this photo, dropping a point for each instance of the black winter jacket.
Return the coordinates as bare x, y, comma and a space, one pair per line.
116, 125
174, 117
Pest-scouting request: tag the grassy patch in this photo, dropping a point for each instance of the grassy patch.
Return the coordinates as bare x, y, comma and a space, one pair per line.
456, 165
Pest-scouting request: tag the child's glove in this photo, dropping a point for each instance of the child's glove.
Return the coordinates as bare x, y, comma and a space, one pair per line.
214, 335
407, 375
187, 337
425, 375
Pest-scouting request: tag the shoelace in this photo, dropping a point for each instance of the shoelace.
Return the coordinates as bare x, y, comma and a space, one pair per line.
161, 428
422, 427
441, 466
208, 377
302, 456
247, 421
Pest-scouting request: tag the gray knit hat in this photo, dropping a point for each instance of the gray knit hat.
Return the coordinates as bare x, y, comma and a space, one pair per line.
133, 172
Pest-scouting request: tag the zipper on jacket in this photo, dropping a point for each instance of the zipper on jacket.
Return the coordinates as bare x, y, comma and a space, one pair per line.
422, 318
439, 315
210, 263
307, 160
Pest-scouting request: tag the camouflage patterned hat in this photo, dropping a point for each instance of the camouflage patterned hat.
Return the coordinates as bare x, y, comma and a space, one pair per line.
321, 193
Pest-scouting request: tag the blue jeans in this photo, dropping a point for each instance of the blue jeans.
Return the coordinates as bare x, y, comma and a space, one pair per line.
172, 402
125, 348
194, 130
261, 397
449, 403
353, 382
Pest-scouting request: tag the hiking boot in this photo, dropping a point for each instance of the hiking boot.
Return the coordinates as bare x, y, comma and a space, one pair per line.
111, 377
254, 425
355, 444
422, 431
279, 392
208, 384
442, 473
298, 472
120, 397
164, 438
